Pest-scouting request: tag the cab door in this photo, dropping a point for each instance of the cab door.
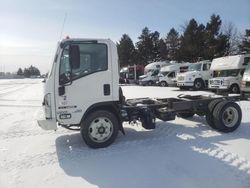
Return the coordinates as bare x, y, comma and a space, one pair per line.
206, 72
83, 85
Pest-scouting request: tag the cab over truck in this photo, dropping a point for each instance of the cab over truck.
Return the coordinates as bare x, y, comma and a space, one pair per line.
82, 93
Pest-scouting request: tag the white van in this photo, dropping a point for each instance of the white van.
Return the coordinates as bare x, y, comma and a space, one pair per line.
196, 77
228, 72
167, 75
151, 72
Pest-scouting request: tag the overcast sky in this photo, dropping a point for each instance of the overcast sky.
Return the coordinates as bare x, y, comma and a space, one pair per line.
29, 30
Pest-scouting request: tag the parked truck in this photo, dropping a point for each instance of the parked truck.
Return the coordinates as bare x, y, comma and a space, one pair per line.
151, 72
245, 82
98, 110
196, 77
131, 74
228, 72
167, 75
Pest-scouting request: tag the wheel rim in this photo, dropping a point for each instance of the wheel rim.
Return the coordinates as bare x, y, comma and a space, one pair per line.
100, 129
234, 89
163, 84
230, 117
198, 85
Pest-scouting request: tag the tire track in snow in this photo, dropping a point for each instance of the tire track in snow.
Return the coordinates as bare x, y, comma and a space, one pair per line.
227, 157
78, 151
27, 133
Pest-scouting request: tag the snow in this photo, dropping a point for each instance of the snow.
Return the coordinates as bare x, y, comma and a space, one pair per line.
180, 153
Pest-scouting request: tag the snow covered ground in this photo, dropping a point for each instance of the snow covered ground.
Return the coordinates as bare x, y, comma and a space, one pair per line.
180, 153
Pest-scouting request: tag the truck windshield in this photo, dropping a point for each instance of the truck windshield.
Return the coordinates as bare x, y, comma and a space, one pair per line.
226, 73
194, 67
164, 73
248, 68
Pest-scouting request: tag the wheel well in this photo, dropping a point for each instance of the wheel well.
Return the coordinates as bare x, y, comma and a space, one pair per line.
109, 106
235, 84
200, 80
105, 107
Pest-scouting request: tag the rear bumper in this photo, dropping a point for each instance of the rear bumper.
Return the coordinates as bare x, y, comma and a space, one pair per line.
47, 124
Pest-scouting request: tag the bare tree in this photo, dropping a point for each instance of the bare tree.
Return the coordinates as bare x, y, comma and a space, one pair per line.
230, 30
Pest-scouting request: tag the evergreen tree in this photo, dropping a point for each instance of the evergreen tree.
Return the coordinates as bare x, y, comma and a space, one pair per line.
31, 71
173, 44
192, 42
216, 43
126, 51
245, 45
163, 52
20, 71
148, 46
156, 42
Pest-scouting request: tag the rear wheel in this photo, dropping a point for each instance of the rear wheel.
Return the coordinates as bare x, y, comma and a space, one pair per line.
99, 129
227, 116
209, 115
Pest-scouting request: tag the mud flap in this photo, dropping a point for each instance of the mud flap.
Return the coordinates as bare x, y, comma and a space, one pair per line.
47, 124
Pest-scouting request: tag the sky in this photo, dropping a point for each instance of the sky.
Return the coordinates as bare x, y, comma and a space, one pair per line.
30, 29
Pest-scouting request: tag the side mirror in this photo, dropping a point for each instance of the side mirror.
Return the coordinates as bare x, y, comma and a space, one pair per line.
74, 56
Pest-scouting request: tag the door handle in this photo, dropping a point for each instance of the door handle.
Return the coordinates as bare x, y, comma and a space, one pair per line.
106, 89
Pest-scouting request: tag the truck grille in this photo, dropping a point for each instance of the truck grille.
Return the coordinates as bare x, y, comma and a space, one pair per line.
180, 78
214, 82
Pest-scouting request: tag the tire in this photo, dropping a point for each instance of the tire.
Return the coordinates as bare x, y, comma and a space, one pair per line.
198, 84
234, 88
227, 116
163, 84
99, 129
150, 83
209, 115
185, 114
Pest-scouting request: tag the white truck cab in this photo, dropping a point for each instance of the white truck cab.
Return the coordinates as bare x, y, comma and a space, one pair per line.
68, 96
151, 72
196, 77
228, 72
167, 75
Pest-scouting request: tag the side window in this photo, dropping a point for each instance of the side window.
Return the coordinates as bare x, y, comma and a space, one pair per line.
246, 61
155, 73
64, 64
171, 75
242, 72
93, 58
205, 67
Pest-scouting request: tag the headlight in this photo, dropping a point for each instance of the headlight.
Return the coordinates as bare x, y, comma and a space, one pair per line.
47, 106
243, 83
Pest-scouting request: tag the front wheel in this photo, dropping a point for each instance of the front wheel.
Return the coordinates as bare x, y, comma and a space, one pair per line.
99, 129
150, 83
198, 84
234, 88
163, 84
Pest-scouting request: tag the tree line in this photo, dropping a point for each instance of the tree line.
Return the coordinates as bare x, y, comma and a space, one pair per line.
196, 42
28, 72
